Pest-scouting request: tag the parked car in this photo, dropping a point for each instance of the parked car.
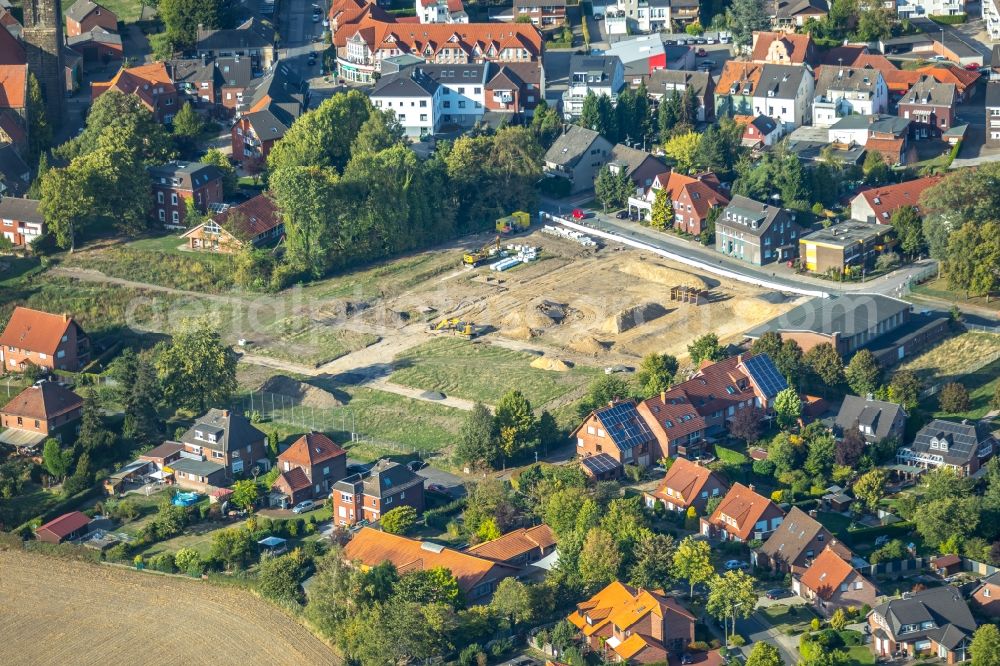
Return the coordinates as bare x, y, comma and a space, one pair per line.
938, 58
416, 465
972, 66
687, 658
622, 214
777, 593
578, 214
882, 540
701, 40
706, 65
733, 565
303, 506
438, 489
701, 52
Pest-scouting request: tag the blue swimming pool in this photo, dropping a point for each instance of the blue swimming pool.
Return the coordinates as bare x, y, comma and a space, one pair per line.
186, 499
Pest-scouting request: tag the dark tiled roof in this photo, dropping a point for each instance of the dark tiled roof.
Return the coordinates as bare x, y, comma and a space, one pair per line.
81, 8
757, 216
847, 314
942, 606
796, 532
231, 431
23, 210
876, 415
572, 144
956, 443
411, 82
254, 33
189, 175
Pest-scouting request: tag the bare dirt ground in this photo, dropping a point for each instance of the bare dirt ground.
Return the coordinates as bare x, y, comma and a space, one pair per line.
65, 612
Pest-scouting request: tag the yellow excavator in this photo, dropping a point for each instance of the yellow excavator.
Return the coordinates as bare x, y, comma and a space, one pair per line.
466, 329
483, 255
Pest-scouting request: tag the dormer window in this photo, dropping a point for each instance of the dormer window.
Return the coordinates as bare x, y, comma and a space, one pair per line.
198, 434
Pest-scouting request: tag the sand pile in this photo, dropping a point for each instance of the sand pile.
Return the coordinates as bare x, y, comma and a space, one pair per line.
660, 274
300, 393
547, 363
587, 344
518, 333
634, 316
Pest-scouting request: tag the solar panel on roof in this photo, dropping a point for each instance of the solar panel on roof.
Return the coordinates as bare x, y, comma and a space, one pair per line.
765, 375
602, 463
624, 425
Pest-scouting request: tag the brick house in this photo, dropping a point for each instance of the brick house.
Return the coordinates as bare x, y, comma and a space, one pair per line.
514, 87
151, 83
42, 409
632, 625
692, 198
519, 547
742, 516
477, 577
619, 431
271, 104
757, 233
986, 597
367, 496
218, 83
793, 546
224, 440
85, 15
256, 221
831, 583
20, 220
935, 622
962, 447
687, 484
309, 468
177, 182
46, 340
66, 527
930, 106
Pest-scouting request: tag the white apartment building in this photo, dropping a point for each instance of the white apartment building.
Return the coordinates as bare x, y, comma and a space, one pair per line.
785, 94
628, 17
463, 99
601, 75
414, 97
441, 11
924, 8
846, 91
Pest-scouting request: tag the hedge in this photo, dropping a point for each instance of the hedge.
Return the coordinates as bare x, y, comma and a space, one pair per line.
438, 518
866, 535
952, 19
65, 506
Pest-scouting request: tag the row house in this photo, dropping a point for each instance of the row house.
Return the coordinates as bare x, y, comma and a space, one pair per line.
591, 75
796, 543
756, 232
685, 12
254, 39
966, 81
85, 15
544, 14
961, 447
935, 622
271, 104
930, 106
617, 430
308, 469
736, 87
832, 583
386, 486
20, 220
255, 222
362, 47
177, 182
687, 484
785, 94
742, 516
151, 83
217, 83
415, 100
218, 447
845, 91
440, 11
628, 17
51, 341
515, 87
692, 199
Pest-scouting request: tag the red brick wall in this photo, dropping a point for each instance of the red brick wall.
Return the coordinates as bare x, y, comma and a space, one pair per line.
591, 443
105, 19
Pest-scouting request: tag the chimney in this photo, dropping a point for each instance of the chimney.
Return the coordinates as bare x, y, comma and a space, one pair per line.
225, 413
752, 487
663, 396
869, 397
611, 403
65, 317
739, 359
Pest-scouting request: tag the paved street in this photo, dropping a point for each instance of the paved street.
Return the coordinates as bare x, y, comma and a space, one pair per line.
755, 629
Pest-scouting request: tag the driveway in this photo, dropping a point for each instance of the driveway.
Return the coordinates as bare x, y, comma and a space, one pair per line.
755, 628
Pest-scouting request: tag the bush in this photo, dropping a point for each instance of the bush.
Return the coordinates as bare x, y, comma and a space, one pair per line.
163, 562
851, 638
469, 656
737, 641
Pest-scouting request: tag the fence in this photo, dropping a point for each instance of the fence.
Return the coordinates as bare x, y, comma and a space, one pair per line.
896, 567
981, 363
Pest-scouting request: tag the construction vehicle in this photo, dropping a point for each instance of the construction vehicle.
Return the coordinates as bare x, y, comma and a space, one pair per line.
466, 329
482, 255
513, 223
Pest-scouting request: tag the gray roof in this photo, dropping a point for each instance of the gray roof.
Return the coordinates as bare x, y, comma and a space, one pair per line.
199, 467
384, 478
788, 543
470, 73
848, 232
233, 71
847, 314
781, 80
750, 216
880, 123
98, 34
942, 606
875, 414
253, 34
993, 93
81, 8
956, 443
851, 79
764, 124
928, 91
288, 97
665, 81
631, 158
399, 63
230, 431
791, 8
411, 82
573, 144
188, 175
23, 210
635, 48
15, 173
595, 70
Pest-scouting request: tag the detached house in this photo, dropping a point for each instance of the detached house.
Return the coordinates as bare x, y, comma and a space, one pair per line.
597, 75
757, 233
514, 87
20, 220
415, 98
935, 622
151, 83
832, 583
692, 198
271, 105
663, 84
577, 155
687, 484
986, 597
38, 412
742, 516
256, 221
796, 543
177, 182
619, 431
785, 93
85, 15
877, 420
309, 468
640, 166
782, 48
632, 625
46, 340
220, 445
519, 548
963, 447
877, 204
931, 107
384, 487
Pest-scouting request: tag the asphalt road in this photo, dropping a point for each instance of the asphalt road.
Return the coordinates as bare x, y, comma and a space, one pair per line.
298, 32
754, 630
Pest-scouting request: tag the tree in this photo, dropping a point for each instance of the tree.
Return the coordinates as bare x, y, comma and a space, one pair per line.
909, 230
683, 150
946, 518
904, 388
972, 257
429, 586
706, 348
381, 131
603, 390
67, 203
820, 458
304, 196
985, 646
731, 597
598, 114
625, 522
183, 17
667, 114
322, 137
874, 22
233, 547
953, 398
512, 601
398, 520
230, 180
600, 558
662, 213
870, 488
787, 407
612, 188
56, 462
478, 444
824, 362
746, 424
187, 124
245, 494
516, 423
850, 447
116, 114
188, 561
764, 654
746, 17
875, 169
196, 369
39, 130
693, 562
142, 421
546, 124
278, 577
656, 374
863, 373
654, 559
92, 435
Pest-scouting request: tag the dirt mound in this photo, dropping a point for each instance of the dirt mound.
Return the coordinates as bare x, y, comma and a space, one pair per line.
518, 333
300, 393
635, 316
547, 363
587, 344
660, 274
538, 315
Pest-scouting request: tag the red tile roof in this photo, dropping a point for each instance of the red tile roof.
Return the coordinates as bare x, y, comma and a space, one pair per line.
701, 191
516, 543
484, 40
65, 524
826, 574
311, 449
13, 86
799, 47
685, 479
142, 81
44, 401
947, 73
900, 80
745, 507
295, 478
885, 200
891, 149
35, 330
252, 217
737, 71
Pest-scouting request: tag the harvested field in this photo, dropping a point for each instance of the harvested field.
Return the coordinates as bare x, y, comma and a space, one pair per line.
56, 611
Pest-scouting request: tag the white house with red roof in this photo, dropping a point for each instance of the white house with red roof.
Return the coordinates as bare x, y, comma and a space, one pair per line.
877, 204
743, 516
441, 11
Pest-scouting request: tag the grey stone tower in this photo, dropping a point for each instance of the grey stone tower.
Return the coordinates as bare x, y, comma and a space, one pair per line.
43, 42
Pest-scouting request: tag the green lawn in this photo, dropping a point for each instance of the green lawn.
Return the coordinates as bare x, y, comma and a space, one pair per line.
481, 371
938, 288
981, 385
198, 537
860, 655
14, 268
834, 522
300, 339
954, 357
127, 11
784, 616
729, 456
34, 501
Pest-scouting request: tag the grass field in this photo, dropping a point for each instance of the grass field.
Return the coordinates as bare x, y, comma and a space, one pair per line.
389, 278
129, 616
730, 456
938, 288
954, 357
783, 616
33, 501
127, 11
981, 385
483, 372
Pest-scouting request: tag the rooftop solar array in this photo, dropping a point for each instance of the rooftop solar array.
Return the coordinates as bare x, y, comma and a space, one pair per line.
601, 464
624, 425
765, 375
